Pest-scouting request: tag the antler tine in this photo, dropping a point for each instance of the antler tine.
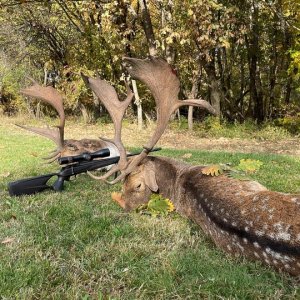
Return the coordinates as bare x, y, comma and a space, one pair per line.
164, 85
51, 96
116, 109
52, 134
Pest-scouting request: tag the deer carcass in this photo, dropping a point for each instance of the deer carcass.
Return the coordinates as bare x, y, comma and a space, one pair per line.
69, 147
243, 218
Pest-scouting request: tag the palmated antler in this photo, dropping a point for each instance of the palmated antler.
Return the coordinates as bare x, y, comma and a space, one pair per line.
164, 84
51, 96
116, 108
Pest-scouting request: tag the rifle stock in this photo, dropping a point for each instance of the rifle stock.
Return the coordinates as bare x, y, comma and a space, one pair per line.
30, 186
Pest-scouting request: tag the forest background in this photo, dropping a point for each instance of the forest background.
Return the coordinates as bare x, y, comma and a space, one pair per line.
241, 56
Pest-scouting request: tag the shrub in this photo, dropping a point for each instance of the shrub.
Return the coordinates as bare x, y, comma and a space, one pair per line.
290, 123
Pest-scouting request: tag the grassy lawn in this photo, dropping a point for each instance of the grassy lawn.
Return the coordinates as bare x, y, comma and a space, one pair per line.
78, 244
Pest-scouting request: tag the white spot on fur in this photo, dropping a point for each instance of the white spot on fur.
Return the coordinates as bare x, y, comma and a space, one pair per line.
240, 246
259, 233
255, 198
283, 236
245, 240
229, 248
271, 235
256, 245
282, 231
256, 255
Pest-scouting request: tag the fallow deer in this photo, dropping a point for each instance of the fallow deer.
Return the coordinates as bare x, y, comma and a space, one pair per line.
242, 218
69, 147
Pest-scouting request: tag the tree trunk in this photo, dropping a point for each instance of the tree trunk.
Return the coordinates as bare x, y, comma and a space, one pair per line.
256, 95
97, 107
193, 95
85, 114
190, 118
166, 18
148, 28
138, 103
214, 87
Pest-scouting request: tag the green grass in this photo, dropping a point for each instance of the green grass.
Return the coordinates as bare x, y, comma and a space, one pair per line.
212, 128
78, 244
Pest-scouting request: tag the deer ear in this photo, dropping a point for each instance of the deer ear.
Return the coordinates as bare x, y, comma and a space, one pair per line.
150, 180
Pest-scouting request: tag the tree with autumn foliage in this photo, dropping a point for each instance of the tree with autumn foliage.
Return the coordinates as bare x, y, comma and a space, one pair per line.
241, 56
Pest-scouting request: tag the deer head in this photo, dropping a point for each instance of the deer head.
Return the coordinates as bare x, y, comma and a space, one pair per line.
68, 147
137, 187
164, 84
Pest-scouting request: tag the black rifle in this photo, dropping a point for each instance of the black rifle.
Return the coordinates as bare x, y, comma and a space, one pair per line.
81, 164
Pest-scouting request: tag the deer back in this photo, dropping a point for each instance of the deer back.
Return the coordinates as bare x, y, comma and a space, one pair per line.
242, 217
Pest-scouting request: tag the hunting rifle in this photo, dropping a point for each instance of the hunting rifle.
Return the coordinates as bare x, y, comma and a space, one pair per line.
77, 164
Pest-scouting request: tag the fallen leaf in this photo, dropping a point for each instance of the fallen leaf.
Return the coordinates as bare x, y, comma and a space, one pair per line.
33, 154
7, 240
187, 155
5, 174
249, 165
212, 170
157, 206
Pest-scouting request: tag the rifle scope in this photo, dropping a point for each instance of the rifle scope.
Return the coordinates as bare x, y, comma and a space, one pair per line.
87, 156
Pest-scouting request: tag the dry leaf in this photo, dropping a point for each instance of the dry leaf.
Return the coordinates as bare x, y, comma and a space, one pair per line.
5, 174
7, 240
187, 155
33, 154
212, 170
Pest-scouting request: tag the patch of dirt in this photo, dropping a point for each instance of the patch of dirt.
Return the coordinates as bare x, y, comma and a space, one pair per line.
132, 137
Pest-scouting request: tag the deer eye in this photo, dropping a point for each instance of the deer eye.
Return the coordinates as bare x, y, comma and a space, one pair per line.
138, 187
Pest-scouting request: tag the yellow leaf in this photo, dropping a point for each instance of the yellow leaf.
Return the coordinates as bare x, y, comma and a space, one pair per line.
170, 205
212, 170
